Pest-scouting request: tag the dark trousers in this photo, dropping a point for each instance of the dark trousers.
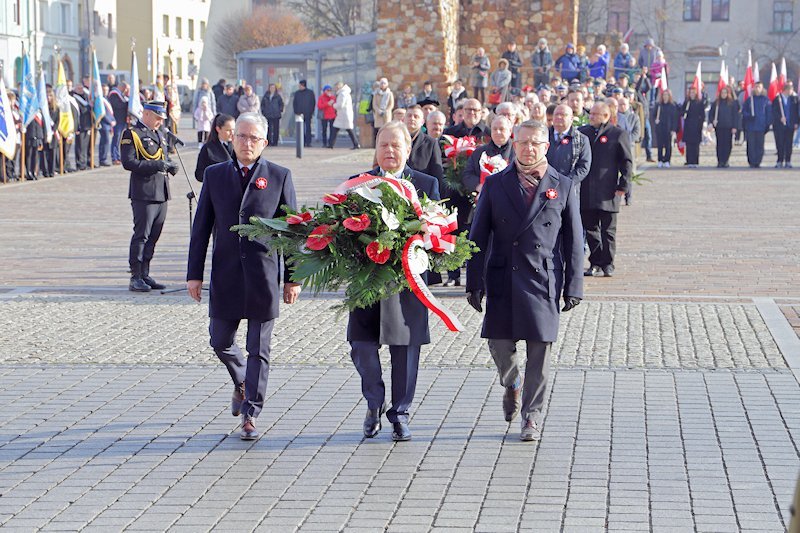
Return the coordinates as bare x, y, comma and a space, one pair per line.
724, 143
479, 93
647, 140
48, 160
755, 147
104, 145
665, 149
327, 127
783, 142
335, 132
692, 153
273, 131
118, 129
82, 141
253, 372
537, 369
601, 233
307, 130
405, 364
148, 221
31, 160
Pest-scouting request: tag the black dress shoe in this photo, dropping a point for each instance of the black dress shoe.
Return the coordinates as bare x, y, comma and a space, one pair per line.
236, 400
452, 283
608, 271
400, 432
138, 285
372, 421
593, 270
511, 403
153, 284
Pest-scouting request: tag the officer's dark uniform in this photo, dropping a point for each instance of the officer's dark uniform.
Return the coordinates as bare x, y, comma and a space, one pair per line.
144, 153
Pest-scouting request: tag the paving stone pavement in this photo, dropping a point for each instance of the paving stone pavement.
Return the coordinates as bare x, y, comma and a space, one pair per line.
674, 402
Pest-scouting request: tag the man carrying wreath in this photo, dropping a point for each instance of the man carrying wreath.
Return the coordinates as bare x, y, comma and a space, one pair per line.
400, 321
530, 215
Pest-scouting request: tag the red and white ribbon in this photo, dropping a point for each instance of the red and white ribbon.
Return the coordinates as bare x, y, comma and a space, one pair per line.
404, 188
413, 266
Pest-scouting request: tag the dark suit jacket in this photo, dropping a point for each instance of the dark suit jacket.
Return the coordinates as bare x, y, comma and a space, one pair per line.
148, 183
211, 153
561, 155
244, 273
611, 170
426, 156
536, 253
792, 118
400, 320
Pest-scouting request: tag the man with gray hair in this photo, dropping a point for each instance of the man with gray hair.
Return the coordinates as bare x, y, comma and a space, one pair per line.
530, 215
244, 273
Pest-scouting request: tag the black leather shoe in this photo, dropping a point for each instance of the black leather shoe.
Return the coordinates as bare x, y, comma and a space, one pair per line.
138, 285
372, 421
236, 400
400, 432
608, 271
593, 270
511, 403
452, 283
153, 284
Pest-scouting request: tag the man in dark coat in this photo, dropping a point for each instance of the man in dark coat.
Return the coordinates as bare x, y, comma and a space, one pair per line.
426, 156
500, 144
529, 214
469, 127
143, 149
514, 63
244, 273
608, 179
756, 118
401, 321
569, 152
118, 98
303, 103
83, 128
227, 102
784, 123
272, 109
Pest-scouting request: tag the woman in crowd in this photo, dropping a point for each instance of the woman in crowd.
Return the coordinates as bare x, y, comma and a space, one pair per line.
693, 112
344, 115
724, 116
219, 147
272, 109
249, 101
327, 112
407, 98
665, 121
49, 149
480, 75
583, 62
501, 80
203, 117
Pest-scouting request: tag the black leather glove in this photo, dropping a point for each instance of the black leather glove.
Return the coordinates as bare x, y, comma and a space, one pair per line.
570, 302
172, 168
475, 298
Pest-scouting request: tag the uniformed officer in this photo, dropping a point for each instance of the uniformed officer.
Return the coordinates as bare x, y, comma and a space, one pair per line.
143, 149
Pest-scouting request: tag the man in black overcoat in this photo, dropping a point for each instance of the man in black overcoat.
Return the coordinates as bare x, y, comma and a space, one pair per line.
499, 144
244, 273
426, 155
784, 123
304, 103
569, 152
603, 188
529, 233
400, 321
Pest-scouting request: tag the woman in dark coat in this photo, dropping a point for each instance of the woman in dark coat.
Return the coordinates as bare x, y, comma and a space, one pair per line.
272, 109
693, 112
218, 149
665, 122
724, 115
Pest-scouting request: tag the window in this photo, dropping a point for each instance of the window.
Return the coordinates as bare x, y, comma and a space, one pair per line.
165, 24
619, 15
178, 27
179, 68
165, 66
691, 10
202, 30
720, 10
110, 26
782, 16
66, 17
16, 13
191, 30
96, 22
42, 14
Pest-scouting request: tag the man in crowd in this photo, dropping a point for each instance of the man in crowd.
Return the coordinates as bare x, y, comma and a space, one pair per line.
542, 62
426, 156
567, 64
756, 117
608, 180
514, 63
427, 92
244, 274
303, 104
579, 115
84, 125
435, 124
457, 94
118, 98
500, 144
272, 109
143, 150
785, 120
227, 102
569, 152
529, 214
400, 321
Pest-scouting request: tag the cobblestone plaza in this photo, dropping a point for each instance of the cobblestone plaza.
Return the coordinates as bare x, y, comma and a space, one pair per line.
674, 402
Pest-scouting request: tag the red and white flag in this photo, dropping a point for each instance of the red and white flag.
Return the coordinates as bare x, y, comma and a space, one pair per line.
749, 81
697, 84
775, 85
723, 78
756, 74
627, 35
661, 81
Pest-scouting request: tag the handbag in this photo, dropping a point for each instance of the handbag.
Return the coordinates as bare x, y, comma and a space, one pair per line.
495, 96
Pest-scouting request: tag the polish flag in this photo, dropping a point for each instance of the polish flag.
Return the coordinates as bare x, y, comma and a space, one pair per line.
627, 35
697, 84
723, 78
775, 85
748, 77
756, 73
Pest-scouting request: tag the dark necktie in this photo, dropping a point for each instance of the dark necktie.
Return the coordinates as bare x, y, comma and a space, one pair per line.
244, 179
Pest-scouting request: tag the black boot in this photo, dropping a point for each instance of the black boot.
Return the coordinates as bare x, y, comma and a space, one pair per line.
153, 284
137, 284
352, 135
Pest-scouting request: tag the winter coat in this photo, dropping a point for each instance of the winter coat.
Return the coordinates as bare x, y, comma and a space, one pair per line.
694, 115
480, 73
304, 103
344, 109
212, 100
541, 59
228, 104
248, 104
203, 118
728, 116
381, 115
272, 106
756, 116
325, 104
568, 66
623, 64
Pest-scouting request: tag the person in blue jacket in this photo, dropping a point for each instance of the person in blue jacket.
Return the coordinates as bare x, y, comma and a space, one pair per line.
756, 117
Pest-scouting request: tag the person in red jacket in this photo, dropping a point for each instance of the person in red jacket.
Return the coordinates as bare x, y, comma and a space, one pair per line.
325, 106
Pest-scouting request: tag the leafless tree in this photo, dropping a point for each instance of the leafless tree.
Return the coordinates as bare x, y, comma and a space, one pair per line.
336, 18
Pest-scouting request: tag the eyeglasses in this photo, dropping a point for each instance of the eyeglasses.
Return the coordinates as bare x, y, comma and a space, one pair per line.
529, 144
473, 109
249, 139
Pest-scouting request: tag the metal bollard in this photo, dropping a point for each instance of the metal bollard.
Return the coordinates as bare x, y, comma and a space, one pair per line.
299, 140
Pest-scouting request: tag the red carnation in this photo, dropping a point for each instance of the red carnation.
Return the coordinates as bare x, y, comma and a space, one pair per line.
377, 253
356, 223
319, 238
333, 198
299, 218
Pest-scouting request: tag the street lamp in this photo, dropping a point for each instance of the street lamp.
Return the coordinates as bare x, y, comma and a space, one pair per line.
192, 67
